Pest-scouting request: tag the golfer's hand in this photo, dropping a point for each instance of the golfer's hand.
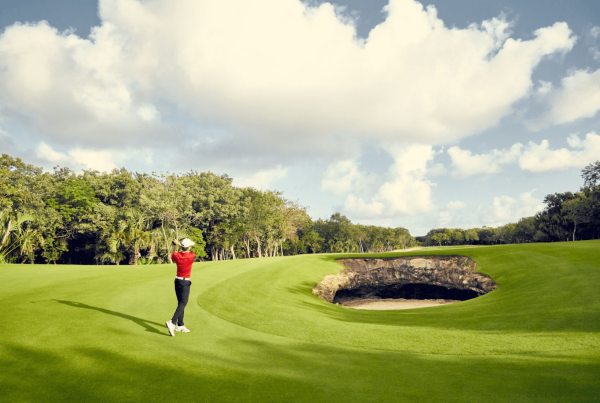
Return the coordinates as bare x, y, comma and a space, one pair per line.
176, 242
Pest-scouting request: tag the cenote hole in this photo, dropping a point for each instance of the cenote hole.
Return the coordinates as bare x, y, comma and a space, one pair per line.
405, 291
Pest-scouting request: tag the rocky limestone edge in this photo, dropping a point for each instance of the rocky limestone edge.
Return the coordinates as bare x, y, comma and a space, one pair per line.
446, 271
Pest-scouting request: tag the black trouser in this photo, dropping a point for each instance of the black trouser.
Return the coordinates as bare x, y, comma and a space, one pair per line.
182, 290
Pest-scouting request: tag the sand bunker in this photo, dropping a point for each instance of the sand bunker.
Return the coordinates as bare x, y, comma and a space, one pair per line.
404, 282
393, 304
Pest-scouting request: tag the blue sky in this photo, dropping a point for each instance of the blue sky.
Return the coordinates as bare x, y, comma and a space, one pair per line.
450, 113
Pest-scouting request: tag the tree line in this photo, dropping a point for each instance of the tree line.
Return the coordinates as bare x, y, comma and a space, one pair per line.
124, 217
568, 216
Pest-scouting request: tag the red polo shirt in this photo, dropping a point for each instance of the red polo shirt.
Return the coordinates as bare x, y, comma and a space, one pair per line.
184, 263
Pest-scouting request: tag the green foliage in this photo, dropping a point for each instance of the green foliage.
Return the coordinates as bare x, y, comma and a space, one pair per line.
6, 190
18, 238
577, 210
312, 242
121, 216
74, 200
119, 188
339, 234
591, 175
195, 235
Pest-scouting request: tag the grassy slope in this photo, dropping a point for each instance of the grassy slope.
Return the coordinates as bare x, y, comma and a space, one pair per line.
97, 333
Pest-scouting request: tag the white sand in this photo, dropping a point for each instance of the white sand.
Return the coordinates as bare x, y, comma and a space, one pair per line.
389, 304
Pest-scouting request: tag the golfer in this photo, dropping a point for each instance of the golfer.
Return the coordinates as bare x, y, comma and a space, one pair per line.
184, 260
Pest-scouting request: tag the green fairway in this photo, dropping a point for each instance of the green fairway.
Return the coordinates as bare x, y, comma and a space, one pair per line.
97, 333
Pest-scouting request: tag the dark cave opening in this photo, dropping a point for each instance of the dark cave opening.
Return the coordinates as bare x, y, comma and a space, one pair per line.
404, 291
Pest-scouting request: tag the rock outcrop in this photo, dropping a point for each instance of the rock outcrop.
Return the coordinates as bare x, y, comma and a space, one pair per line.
456, 272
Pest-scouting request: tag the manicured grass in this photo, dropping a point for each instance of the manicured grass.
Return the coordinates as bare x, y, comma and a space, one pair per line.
77, 333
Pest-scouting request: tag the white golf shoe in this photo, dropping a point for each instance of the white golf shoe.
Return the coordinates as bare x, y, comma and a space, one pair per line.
171, 326
182, 329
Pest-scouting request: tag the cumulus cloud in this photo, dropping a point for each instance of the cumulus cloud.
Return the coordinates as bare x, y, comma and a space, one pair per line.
437, 170
71, 90
266, 70
578, 97
500, 210
505, 209
466, 164
344, 177
496, 211
533, 157
148, 112
540, 158
81, 158
456, 205
260, 85
452, 214
262, 179
340, 177
592, 39
544, 88
405, 192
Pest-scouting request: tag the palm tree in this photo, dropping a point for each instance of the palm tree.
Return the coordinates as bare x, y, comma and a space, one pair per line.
29, 241
130, 235
133, 235
109, 256
107, 250
17, 238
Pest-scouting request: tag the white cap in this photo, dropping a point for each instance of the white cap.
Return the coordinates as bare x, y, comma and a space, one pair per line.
187, 242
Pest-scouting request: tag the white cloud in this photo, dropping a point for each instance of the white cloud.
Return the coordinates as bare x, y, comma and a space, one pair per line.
540, 158
501, 210
466, 164
70, 89
46, 152
577, 98
340, 177
343, 177
437, 170
498, 210
594, 34
544, 88
81, 158
147, 112
456, 205
405, 192
264, 68
451, 214
358, 207
505, 209
262, 179
533, 157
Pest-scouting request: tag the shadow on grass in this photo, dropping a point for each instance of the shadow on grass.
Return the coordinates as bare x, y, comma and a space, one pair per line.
146, 324
250, 370
107, 375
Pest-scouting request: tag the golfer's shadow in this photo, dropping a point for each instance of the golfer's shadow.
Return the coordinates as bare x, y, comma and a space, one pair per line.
142, 322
